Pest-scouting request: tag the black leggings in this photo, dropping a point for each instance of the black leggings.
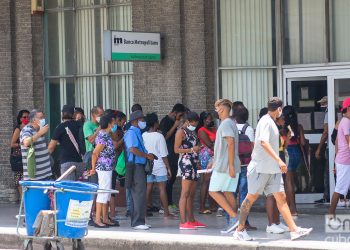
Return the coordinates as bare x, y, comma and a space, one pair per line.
170, 183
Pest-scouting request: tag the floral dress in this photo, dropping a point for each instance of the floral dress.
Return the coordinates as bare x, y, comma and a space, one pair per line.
188, 162
107, 157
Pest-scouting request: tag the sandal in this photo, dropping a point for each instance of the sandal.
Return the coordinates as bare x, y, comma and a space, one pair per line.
206, 211
99, 226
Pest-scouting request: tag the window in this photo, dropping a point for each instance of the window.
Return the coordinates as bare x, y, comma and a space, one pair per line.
247, 52
75, 71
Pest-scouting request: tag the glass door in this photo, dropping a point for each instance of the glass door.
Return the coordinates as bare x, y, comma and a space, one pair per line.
303, 93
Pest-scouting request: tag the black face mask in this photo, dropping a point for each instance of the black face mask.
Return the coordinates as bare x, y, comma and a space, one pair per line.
323, 109
211, 124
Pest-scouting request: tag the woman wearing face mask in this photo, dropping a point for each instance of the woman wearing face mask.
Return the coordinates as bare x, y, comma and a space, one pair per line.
186, 145
206, 134
16, 155
103, 162
295, 143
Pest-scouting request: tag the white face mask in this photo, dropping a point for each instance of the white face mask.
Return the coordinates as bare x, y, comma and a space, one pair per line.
42, 122
191, 128
141, 124
279, 112
98, 119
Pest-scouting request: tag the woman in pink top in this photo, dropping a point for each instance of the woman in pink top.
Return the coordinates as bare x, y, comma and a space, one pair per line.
206, 135
342, 160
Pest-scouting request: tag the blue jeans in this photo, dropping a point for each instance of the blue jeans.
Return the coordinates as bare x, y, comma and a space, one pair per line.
243, 186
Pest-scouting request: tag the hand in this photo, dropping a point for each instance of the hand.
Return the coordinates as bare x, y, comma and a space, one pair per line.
210, 165
150, 157
91, 172
232, 172
318, 154
196, 149
283, 166
177, 123
44, 130
169, 174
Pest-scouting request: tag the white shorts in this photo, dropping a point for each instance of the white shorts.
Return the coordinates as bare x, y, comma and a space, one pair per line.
264, 183
104, 182
343, 179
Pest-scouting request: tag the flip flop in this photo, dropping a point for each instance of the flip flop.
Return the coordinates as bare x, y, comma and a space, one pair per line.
207, 211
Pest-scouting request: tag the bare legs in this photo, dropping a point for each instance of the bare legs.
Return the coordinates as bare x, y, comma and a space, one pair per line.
227, 201
186, 201
204, 191
290, 187
273, 214
162, 194
334, 202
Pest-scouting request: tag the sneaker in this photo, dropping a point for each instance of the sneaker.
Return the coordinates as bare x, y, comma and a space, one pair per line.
232, 225
321, 201
284, 227
173, 209
220, 212
161, 211
300, 233
141, 227
197, 224
341, 203
187, 226
274, 229
242, 236
149, 226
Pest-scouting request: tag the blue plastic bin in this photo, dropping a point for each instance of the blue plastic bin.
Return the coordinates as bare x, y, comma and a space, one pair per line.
73, 229
35, 200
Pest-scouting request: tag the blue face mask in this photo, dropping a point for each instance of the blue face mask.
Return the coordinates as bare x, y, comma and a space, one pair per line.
42, 122
114, 129
142, 125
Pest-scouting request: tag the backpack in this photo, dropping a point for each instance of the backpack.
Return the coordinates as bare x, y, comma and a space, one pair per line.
245, 148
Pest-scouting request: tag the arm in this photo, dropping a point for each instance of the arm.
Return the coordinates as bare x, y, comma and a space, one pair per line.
94, 157
206, 140
172, 130
52, 146
267, 147
92, 137
322, 141
302, 136
166, 162
41, 132
178, 141
231, 155
14, 139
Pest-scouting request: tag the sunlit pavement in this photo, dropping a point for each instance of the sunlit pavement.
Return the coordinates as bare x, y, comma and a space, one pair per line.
165, 234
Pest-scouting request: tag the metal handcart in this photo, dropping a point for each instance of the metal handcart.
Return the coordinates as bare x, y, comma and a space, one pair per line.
72, 203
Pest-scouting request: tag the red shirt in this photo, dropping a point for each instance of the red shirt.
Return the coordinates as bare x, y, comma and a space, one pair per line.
210, 132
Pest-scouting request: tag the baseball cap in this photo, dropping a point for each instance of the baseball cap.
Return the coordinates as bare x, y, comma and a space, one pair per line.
346, 104
136, 115
324, 100
68, 109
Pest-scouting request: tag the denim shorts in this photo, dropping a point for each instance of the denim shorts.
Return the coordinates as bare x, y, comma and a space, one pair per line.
154, 178
294, 154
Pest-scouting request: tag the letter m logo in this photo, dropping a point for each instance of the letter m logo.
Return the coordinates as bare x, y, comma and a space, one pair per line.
118, 40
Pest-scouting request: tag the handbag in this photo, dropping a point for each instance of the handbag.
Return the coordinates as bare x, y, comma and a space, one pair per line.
16, 160
120, 168
149, 167
31, 163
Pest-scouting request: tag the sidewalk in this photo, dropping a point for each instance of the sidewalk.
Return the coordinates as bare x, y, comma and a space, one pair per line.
166, 235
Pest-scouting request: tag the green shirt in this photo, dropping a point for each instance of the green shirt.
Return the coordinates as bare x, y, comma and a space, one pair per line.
89, 130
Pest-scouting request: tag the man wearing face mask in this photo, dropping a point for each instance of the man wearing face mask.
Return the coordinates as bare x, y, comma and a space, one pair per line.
135, 177
67, 134
265, 173
91, 129
34, 133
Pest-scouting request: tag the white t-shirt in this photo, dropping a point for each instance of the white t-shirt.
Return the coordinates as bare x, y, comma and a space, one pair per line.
155, 143
265, 131
248, 132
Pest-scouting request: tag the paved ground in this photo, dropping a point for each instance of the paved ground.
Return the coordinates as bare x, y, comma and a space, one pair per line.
165, 234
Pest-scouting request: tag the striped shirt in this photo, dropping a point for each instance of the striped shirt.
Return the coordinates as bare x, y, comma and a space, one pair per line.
42, 157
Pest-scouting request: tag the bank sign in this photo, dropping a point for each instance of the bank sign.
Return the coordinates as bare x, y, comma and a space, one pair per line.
132, 46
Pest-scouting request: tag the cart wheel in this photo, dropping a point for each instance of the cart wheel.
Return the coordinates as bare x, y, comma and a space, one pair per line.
78, 244
47, 245
60, 246
27, 245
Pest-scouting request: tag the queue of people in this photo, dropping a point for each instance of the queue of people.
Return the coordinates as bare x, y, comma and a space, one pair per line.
237, 164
